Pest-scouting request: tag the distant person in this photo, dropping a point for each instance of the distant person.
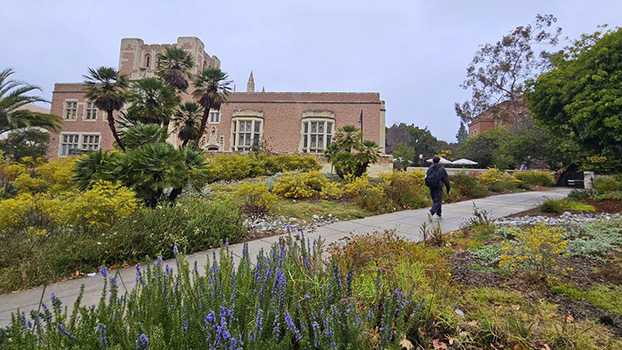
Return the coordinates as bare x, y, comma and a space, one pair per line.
434, 179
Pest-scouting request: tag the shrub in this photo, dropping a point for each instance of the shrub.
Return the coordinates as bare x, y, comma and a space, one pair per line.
271, 181
468, 186
616, 196
300, 185
561, 205
356, 185
535, 248
332, 191
290, 162
405, 189
192, 224
256, 198
579, 195
101, 206
607, 184
498, 181
535, 178
58, 173
234, 167
373, 198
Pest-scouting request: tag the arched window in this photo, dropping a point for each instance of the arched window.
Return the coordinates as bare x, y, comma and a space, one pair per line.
148, 61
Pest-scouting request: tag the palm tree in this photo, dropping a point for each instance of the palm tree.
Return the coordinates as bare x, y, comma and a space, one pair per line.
348, 137
12, 97
211, 89
174, 66
368, 152
106, 87
186, 120
153, 101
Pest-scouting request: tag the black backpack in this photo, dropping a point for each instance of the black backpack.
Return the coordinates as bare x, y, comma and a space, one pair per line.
433, 177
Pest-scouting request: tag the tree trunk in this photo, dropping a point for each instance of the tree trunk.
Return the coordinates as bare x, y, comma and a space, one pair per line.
113, 128
201, 128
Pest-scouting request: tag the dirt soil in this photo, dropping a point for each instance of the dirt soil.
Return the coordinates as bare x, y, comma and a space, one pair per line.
472, 272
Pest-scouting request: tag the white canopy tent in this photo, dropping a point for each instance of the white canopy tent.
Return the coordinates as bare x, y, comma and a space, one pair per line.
464, 161
442, 161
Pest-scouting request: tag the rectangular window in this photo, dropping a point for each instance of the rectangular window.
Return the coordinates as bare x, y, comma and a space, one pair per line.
247, 134
71, 110
68, 142
90, 142
214, 117
317, 136
90, 111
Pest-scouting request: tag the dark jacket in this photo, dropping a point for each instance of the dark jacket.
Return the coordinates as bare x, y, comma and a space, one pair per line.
443, 173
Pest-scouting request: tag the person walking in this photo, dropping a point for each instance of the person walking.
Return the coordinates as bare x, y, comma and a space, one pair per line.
435, 178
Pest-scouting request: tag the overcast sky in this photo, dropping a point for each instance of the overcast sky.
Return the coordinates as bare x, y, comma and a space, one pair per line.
414, 53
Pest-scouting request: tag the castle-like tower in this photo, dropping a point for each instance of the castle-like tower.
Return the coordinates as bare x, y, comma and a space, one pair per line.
138, 60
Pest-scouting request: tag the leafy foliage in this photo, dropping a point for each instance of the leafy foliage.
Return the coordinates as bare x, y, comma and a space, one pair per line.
539, 178
19, 144
498, 71
578, 98
14, 95
256, 197
350, 154
608, 184
468, 185
561, 205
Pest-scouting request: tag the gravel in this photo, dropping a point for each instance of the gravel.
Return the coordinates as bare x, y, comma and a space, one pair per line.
564, 219
271, 225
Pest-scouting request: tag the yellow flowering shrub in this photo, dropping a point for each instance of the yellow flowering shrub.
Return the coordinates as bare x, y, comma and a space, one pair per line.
102, 205
355, 185
331, 190
256, 197
494, 175
405, 189
28, 212
300, 185
27, 184
58, 174
535, 248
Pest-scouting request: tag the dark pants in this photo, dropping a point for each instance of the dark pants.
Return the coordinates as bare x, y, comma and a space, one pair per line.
437, 197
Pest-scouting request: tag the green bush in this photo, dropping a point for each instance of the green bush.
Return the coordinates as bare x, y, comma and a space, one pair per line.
579, 195
561, 205
405, 190
607, 184
31, 257
535, 178
373, 199
468, 186
498, 181
616, 196
290, 162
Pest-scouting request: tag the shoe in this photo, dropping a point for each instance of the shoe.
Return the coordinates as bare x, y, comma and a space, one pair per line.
429, 217
439, 216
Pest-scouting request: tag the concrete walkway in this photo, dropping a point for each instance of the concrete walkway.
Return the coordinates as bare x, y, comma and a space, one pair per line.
405, 223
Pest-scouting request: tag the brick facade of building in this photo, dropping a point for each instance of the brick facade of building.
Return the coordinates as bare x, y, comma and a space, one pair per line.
282, 122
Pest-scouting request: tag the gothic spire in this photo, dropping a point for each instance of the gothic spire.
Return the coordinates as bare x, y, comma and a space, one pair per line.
250, 86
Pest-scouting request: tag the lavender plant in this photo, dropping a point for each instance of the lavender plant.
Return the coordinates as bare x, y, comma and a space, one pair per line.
289, 299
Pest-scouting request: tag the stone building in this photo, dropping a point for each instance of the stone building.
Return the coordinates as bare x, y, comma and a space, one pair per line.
283, 122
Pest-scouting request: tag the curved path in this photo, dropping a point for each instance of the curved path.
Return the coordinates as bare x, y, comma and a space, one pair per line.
405, 223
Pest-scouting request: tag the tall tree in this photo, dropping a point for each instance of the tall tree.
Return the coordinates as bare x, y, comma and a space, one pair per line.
211, 90
349, 154
581, 98
106, 87
498, 72
174, 65
14, 95
186, 121
462, 134
421, 140
25, 143
153, 101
